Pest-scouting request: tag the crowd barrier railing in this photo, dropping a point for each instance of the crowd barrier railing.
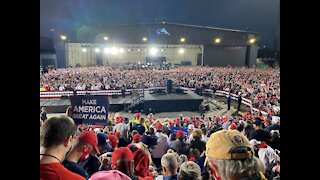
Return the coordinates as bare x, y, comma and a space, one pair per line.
60, 94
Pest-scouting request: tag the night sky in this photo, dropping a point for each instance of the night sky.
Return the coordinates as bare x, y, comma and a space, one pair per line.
253, 15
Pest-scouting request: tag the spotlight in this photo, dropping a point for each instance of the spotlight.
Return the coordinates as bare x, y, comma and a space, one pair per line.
252, 40
153, 51
114, 51
106, 50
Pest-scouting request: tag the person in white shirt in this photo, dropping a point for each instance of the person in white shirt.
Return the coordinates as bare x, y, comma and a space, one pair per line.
61, 88
122, 127
161, 148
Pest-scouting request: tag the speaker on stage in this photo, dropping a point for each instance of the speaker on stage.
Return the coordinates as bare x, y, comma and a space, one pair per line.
169, 86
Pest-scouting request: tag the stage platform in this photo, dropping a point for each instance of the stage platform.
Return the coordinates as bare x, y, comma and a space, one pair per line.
174, 102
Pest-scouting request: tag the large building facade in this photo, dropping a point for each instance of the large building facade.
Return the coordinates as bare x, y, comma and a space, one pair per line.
160, 42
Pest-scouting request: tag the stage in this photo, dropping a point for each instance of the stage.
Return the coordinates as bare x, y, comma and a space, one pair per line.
173, 102
158, 102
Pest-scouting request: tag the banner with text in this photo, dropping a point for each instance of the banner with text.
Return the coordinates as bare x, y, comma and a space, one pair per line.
90, 109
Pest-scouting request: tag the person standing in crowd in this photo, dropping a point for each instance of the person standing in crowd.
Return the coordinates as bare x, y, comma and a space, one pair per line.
122, 127
122, 160
92, 163
123, 92
189, 170
86, 144
201, 109
225, 150
140, 126
56, 138
141, 159
229, 101
197, 143
239, 101
169, 167
275, 124
43, 114
275, 139
161, 147
180, 145
259, 134
112, 174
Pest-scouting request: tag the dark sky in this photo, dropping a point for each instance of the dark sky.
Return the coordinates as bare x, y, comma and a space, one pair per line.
255, 15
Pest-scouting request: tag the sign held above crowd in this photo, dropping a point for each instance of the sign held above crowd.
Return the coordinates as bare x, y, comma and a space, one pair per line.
90, 109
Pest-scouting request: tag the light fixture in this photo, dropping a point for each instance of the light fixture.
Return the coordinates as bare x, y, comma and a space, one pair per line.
63, 37
252, 40
84, 50
217, 40
153, 51
106, 50
181, 50
183, 40
97, 50
114, 51
144, 39
106, 38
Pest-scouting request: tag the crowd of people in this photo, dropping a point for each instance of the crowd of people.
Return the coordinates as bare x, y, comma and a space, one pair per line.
261, 86
143, 147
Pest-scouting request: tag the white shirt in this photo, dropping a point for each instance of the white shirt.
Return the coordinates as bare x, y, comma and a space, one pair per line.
61, 88
122, 128
161, 148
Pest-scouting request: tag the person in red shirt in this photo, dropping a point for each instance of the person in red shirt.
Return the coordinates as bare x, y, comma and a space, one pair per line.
56, 137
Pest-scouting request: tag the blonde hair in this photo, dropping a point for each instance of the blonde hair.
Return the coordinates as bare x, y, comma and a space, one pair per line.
144, 147
228, 169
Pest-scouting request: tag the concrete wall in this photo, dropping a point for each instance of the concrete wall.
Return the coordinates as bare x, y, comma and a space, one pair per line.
131, 53
253, 55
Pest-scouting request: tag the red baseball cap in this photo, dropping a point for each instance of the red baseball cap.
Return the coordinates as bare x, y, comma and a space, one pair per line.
180, 134
113, 140
137, 138
159, 127
138, 115
117, 134
90, 138
121, 153
232, 126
